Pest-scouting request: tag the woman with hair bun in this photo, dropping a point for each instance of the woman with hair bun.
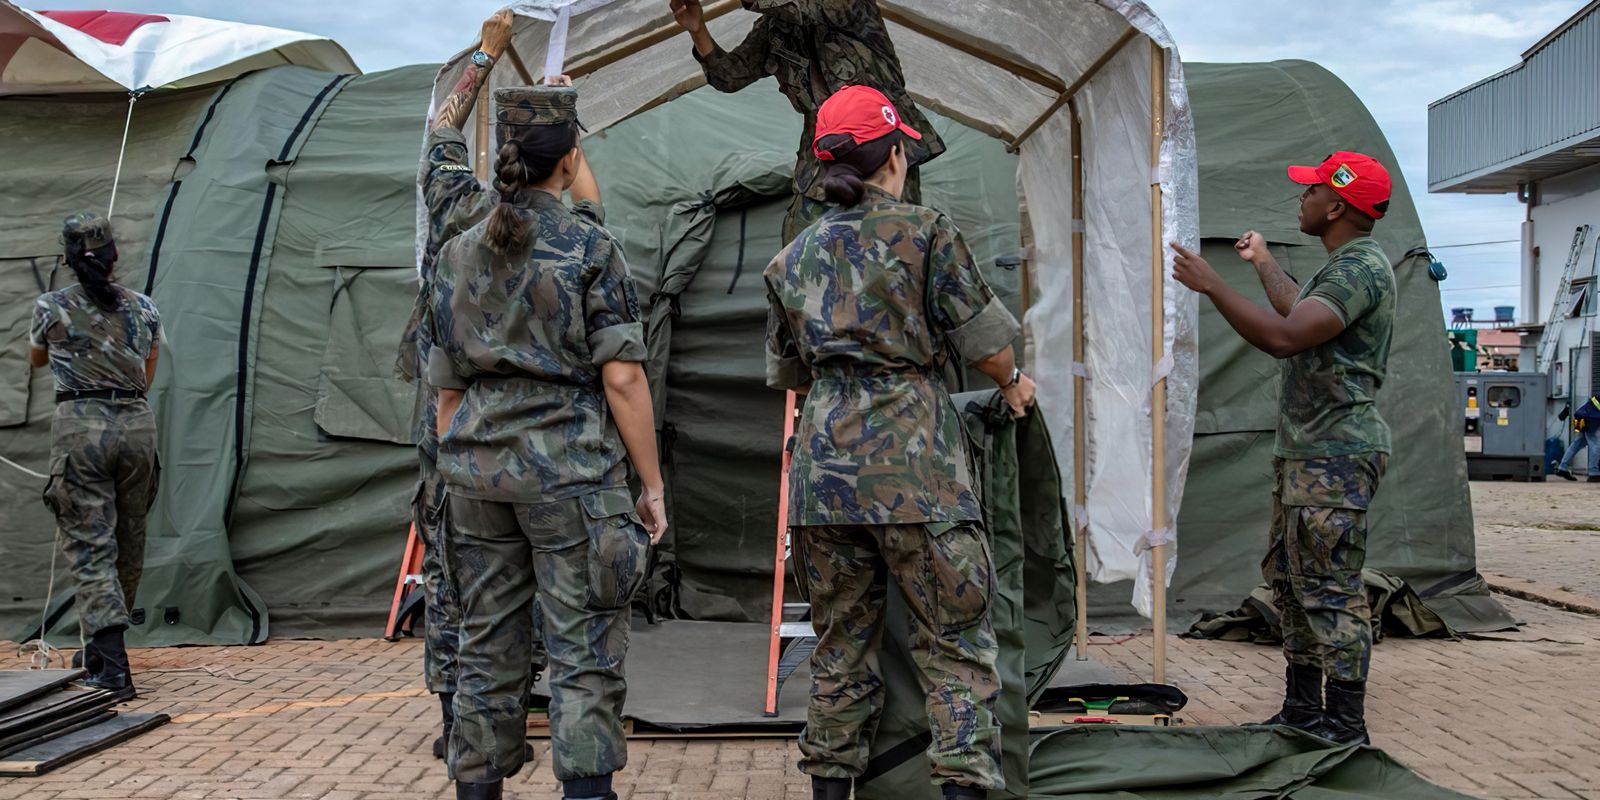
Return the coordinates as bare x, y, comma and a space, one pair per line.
100, 341
865, 305
542, 405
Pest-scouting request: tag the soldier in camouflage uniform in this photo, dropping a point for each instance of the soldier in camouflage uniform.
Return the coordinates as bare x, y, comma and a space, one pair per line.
100, 341
537, 355
814, 48
471, 203
1333, 336
864, 305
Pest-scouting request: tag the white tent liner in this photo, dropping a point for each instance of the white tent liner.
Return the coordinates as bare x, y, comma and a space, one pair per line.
1004, 67
61, 52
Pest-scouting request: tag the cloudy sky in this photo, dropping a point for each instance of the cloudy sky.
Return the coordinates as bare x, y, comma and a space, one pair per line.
1398, 56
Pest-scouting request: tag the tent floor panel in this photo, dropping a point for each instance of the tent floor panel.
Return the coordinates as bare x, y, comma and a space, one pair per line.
41, 758
19, 686
55, 729
49, 706
705, 678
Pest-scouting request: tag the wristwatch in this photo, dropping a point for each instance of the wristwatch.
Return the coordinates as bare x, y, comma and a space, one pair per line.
481, 59
1016, 375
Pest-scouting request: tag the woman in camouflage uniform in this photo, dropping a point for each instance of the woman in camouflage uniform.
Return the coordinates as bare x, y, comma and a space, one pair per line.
865, 304
537, 355
100, 341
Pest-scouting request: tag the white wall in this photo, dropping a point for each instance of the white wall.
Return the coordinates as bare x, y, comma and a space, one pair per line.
1564, 203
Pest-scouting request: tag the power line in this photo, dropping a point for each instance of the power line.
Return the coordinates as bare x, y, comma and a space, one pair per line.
1477, 244
1481, 288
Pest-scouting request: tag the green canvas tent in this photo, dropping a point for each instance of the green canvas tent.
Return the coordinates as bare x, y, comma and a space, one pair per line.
277, 211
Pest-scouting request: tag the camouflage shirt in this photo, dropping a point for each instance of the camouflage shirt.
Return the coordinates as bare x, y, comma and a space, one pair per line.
525, 337
92, 349
1327, 400
815, 48
455, 201
864, 304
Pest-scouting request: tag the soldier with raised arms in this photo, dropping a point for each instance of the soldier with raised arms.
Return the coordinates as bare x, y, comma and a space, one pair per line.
537, 358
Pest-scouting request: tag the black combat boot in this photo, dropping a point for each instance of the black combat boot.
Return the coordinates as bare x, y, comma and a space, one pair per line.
1344, 719
447, 710
1302, 698
478, 791
954, 792
114, 675
830, 788
596, 788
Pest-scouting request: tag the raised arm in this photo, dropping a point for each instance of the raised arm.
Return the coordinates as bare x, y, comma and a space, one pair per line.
725, 71
496, 38
1281, 289
1306, 325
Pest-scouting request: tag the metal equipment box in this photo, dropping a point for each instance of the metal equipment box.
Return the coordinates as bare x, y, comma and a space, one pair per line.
1504, 418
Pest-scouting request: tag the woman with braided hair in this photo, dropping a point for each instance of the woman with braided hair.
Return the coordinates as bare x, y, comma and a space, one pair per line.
100, 341
542, 405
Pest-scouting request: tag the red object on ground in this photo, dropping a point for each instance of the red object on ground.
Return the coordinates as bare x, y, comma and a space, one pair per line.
111, 27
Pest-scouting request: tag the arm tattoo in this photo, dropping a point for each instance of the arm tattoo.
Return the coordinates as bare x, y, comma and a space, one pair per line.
453, 114
1281, 289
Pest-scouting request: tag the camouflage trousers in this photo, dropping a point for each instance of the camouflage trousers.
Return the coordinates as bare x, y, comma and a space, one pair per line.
583, 559
946, 575
442, 615
803, 210
103, 477
1314, 561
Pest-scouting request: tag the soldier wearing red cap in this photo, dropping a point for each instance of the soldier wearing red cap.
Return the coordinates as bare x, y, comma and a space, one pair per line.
1332, 335
865, 305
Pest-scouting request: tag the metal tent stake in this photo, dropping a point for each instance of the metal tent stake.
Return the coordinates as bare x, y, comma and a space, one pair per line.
1158, 397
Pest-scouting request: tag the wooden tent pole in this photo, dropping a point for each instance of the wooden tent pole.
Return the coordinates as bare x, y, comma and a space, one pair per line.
482, 134
645, 41
1158, 392
1072, 91
1080, 460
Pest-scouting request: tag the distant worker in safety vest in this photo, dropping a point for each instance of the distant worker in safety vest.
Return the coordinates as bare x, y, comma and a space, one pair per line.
865, 305
101, 341
538, 351
470, 204
1332, 335
1585, 433
814, 48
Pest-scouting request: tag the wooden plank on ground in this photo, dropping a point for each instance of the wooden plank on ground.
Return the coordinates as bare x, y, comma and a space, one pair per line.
42, 758
18, 686
42, 709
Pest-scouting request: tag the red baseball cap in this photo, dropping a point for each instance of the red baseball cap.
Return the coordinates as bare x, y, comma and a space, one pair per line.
1358, 178
861, 111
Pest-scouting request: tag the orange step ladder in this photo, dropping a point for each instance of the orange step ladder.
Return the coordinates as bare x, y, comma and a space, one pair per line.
791, 639
408, 593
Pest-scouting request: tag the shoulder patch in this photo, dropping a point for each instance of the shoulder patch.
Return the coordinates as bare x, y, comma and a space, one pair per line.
453, 168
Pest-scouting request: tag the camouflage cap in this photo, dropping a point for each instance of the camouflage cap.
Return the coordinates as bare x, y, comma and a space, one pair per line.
536, 105
91, 228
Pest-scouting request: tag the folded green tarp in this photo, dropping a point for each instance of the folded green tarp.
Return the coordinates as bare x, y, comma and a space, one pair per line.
1113, 762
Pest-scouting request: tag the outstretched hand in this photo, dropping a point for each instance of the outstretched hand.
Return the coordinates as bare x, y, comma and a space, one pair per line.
497, 33
1193, 271
689, 15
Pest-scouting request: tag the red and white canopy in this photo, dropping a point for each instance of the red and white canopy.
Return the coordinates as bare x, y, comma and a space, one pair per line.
55, 52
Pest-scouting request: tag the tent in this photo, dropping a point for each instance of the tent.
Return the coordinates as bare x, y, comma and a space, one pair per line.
309, 535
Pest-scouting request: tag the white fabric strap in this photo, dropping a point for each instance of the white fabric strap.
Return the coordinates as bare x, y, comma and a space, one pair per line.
1162, 369
1080, 518
1078, 226
1155, 176
555, 57
1080, 370
1160, 537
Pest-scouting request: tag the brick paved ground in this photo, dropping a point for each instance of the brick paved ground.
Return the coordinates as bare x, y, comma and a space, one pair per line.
349, 720
1546, 533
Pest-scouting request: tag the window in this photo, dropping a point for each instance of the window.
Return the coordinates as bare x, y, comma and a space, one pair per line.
1505, 396
1580, 298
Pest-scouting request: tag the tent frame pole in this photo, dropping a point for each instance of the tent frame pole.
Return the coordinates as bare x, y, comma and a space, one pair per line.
1158, 391
1080, 478
482, 143
959, 41
638, 44
1071, 92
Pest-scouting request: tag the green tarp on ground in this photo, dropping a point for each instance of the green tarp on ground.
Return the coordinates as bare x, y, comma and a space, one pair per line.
1109, 762
301, 500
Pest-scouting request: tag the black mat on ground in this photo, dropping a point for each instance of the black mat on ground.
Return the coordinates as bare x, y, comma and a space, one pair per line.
698, 676
1113, 762
41, 709
19, 686
41, 758
1088, 671
55, 728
